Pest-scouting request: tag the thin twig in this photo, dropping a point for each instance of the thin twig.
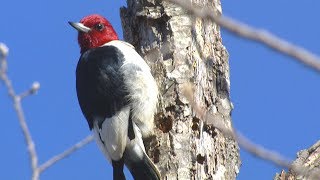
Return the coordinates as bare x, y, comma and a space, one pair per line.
18, 108
66, 153
33, 89
302, 55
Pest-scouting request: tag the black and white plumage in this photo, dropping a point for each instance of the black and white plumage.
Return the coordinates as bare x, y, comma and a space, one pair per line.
118, 96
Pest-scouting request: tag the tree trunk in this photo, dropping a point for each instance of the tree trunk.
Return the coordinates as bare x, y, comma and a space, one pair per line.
308, 158
182, 49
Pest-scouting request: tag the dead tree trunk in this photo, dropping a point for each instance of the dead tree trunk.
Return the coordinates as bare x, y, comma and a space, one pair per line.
182, 49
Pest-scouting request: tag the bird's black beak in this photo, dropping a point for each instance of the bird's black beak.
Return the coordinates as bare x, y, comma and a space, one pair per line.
80, 27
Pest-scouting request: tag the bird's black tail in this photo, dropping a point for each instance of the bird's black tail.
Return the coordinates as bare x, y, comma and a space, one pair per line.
135, 157
118, 170
140, 165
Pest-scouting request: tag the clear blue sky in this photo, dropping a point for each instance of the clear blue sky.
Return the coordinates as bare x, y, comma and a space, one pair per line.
276, 99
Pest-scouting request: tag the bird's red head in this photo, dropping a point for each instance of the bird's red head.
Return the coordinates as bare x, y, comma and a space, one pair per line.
94, 31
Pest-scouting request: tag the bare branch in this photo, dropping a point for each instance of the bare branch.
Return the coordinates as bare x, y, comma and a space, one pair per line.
4, 50
244, 142
274, 157
261, 152
36, 170
18, 108
302, 55
66, 153
33, 90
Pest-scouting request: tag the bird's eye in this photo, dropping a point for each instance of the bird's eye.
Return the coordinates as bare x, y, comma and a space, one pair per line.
99, 27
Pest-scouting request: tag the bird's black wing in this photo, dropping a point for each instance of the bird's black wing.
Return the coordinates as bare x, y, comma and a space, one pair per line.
100, 85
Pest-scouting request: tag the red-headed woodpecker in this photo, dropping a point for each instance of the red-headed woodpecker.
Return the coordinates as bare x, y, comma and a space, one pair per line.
118, 95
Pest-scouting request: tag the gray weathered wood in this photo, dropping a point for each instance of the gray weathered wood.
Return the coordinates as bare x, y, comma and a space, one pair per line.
182, 49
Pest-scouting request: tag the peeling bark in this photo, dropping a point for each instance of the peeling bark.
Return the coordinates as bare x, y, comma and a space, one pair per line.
183, 49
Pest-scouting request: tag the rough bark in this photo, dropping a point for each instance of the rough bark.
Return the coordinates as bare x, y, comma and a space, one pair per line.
308, 158
183, 49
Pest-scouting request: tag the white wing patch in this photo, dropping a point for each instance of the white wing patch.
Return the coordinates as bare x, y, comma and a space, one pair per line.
112, 136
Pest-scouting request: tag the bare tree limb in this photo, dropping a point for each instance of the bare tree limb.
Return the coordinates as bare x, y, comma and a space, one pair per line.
16, 98
18, 108
261, 36
66, 153
261, 152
